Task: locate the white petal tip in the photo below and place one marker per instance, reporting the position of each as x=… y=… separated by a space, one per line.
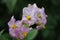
x=34 y=5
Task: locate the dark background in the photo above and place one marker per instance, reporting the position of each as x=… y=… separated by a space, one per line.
x=52 y=9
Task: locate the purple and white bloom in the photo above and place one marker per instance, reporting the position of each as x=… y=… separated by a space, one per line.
x=20 y=33
x=13 y=23
x=33 y=15
x=29 y=14
x=17 y=28
x=40 y=17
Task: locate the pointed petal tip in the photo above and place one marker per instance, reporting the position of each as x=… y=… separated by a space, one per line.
x=12 y=18
x=29 y=5
x=34 y=5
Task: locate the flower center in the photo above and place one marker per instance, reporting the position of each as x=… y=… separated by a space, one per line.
x=28 y=17
x=39 y=16
x=14 y=26
x=24 y=34
x=25 y=25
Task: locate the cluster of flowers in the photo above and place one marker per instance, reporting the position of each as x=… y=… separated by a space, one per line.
x=31 y=15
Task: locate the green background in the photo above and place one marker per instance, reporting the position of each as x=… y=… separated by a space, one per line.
x=14 y=7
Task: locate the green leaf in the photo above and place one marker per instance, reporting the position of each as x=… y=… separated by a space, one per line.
x=31 y=34
x=1 y=32
x=5 y=37
x=11 y=4
x=3 y=1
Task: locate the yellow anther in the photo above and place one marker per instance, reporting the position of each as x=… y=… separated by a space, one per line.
x=28 y=17
x=24 y=34
x=14 y=26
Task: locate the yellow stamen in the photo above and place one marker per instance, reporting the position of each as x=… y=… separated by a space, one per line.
x=24 y=34
x=14 y=26
x=28 y=17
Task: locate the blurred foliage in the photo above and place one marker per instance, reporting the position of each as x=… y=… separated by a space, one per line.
x=11 y=4
x=14 y=7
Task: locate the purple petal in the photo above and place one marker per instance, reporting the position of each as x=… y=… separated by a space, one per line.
x=12 y=21
x=11 y=32
x=38 y=27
